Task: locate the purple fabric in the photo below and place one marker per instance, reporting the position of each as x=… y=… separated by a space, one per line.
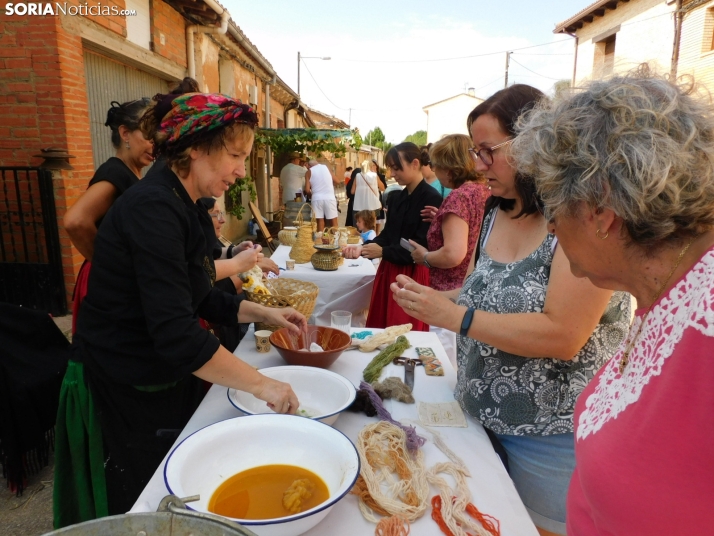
x=414 y=440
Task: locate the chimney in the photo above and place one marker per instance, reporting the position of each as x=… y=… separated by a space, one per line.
x=472 y=92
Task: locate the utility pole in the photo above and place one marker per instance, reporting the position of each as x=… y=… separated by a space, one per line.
x=349 y=122
x=299 y=73
x=505 y=82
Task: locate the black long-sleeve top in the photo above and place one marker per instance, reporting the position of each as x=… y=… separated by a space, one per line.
x=151 y=279
x=404 y=221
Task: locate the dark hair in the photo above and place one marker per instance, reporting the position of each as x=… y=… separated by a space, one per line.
x=207 y=202
x=507 y=106
x=126 y=114
x=368 y=217
x=349 y=168
x=425 y=149
x=354 y=173
x=408 y=151
x=187 y=85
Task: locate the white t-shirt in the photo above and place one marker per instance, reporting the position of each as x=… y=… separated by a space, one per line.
x=321 y=183
x=292 y=179
x=366 y=192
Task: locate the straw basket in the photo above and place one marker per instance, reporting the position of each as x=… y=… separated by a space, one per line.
x=286 y=292
x=326 y=258
x=302 y=249
x=288 y=236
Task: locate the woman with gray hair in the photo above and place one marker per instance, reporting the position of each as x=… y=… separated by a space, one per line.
x=625 y=169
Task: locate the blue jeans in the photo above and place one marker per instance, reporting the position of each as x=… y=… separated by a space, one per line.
x=541 y=468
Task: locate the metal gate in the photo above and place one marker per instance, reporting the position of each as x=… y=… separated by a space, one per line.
x=107 y=81
x=30 y=257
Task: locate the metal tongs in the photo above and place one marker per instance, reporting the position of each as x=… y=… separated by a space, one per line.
x=176 y=506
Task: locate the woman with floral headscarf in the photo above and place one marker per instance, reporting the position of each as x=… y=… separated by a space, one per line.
x=140 y=351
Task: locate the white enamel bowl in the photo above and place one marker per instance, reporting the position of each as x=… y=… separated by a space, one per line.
x=205 y=459
x=322 y=393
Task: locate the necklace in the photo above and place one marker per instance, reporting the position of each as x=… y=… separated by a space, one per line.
x=630 y=344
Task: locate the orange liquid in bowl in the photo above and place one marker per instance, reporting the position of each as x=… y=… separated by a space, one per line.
x=258 y=493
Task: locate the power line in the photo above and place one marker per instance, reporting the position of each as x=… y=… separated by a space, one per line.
x=541 y=75
x=455 y=58
x=323 y=93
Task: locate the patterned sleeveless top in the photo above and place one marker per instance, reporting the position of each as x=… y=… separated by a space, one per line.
x=514 y=395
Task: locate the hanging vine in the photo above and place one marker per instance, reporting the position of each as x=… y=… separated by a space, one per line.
x=246 y=184
x=307 y=140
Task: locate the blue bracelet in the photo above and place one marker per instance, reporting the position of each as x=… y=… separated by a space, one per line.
x=466 y=322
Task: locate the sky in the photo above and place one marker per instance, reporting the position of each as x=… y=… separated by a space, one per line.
x=389 y=59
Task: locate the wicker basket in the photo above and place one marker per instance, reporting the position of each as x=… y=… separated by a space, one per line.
x=288 y=236
x=302 y=249
x=300 y=295
x=327 y=260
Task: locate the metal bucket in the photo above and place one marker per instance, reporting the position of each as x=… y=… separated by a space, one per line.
x=172 y=519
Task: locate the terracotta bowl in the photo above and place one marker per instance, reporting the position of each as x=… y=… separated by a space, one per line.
x=288 y=345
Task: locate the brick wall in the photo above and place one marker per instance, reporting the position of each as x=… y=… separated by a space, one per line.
x=168 y=22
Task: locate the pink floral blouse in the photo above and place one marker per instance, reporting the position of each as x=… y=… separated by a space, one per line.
x=467 y=202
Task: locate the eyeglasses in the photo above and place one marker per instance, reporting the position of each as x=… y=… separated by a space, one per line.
x=220 y=215
x=486 y=154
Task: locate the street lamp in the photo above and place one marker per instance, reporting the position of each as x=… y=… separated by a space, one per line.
x=308 y=58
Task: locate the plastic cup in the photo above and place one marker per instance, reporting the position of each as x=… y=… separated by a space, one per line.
x=290 y=264
x=341 y=320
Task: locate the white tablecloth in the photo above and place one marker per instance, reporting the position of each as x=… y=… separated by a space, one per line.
x=491 y=487
x=349 y=288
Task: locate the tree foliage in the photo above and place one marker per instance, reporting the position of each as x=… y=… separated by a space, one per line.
x=418 y=138
x=376 y=138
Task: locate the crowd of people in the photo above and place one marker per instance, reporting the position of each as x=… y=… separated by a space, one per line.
x=521 y=245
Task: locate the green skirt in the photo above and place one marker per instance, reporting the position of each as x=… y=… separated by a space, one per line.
x=80 y=491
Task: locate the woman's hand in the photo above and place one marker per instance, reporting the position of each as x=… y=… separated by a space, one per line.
x=426 y=304
x=286 y=317
x=372 y=251
x=246 y=259
x=352 y=252
x=419 y=252
x=279 y=396
x=268 y=265
x=242 y=247
x=428 y=213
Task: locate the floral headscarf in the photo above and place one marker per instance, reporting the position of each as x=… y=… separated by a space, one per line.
x=195 y=113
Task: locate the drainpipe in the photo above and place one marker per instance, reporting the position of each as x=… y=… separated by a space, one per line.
x=678 y=16
x=575 y=60
x=191 y=30
x=268 y=152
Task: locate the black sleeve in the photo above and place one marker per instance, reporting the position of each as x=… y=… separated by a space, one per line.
x=115 y=172
x=221 y=307
x=157 y=230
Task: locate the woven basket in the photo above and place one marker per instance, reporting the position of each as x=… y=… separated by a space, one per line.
x=326 y=260
x=300 y=295
x=302 y=249
x=288 y=237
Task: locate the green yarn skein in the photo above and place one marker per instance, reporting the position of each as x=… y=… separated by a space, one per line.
x=384 y=358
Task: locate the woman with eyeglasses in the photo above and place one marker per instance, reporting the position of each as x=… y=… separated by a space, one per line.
x=531 y=334
x=112 y=179
x=456 y=224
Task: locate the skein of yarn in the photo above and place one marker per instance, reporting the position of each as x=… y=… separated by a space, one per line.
x=392 y=480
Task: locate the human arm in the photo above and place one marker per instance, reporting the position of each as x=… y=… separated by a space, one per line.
x=226 y=369
x=354 y=186
x=242 y=262
x=307 y=190
x=456 y=238
x=571 y=312
x=81 y=219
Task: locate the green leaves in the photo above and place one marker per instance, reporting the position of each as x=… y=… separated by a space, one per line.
x=308 y=140
x=246 y=184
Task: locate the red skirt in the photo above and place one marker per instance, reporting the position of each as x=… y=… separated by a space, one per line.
x=80 y=291
x=383 y=310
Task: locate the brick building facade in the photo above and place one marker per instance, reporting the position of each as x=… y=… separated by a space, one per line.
x=58 y=75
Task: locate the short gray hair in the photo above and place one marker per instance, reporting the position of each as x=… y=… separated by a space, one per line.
x=637 y=144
